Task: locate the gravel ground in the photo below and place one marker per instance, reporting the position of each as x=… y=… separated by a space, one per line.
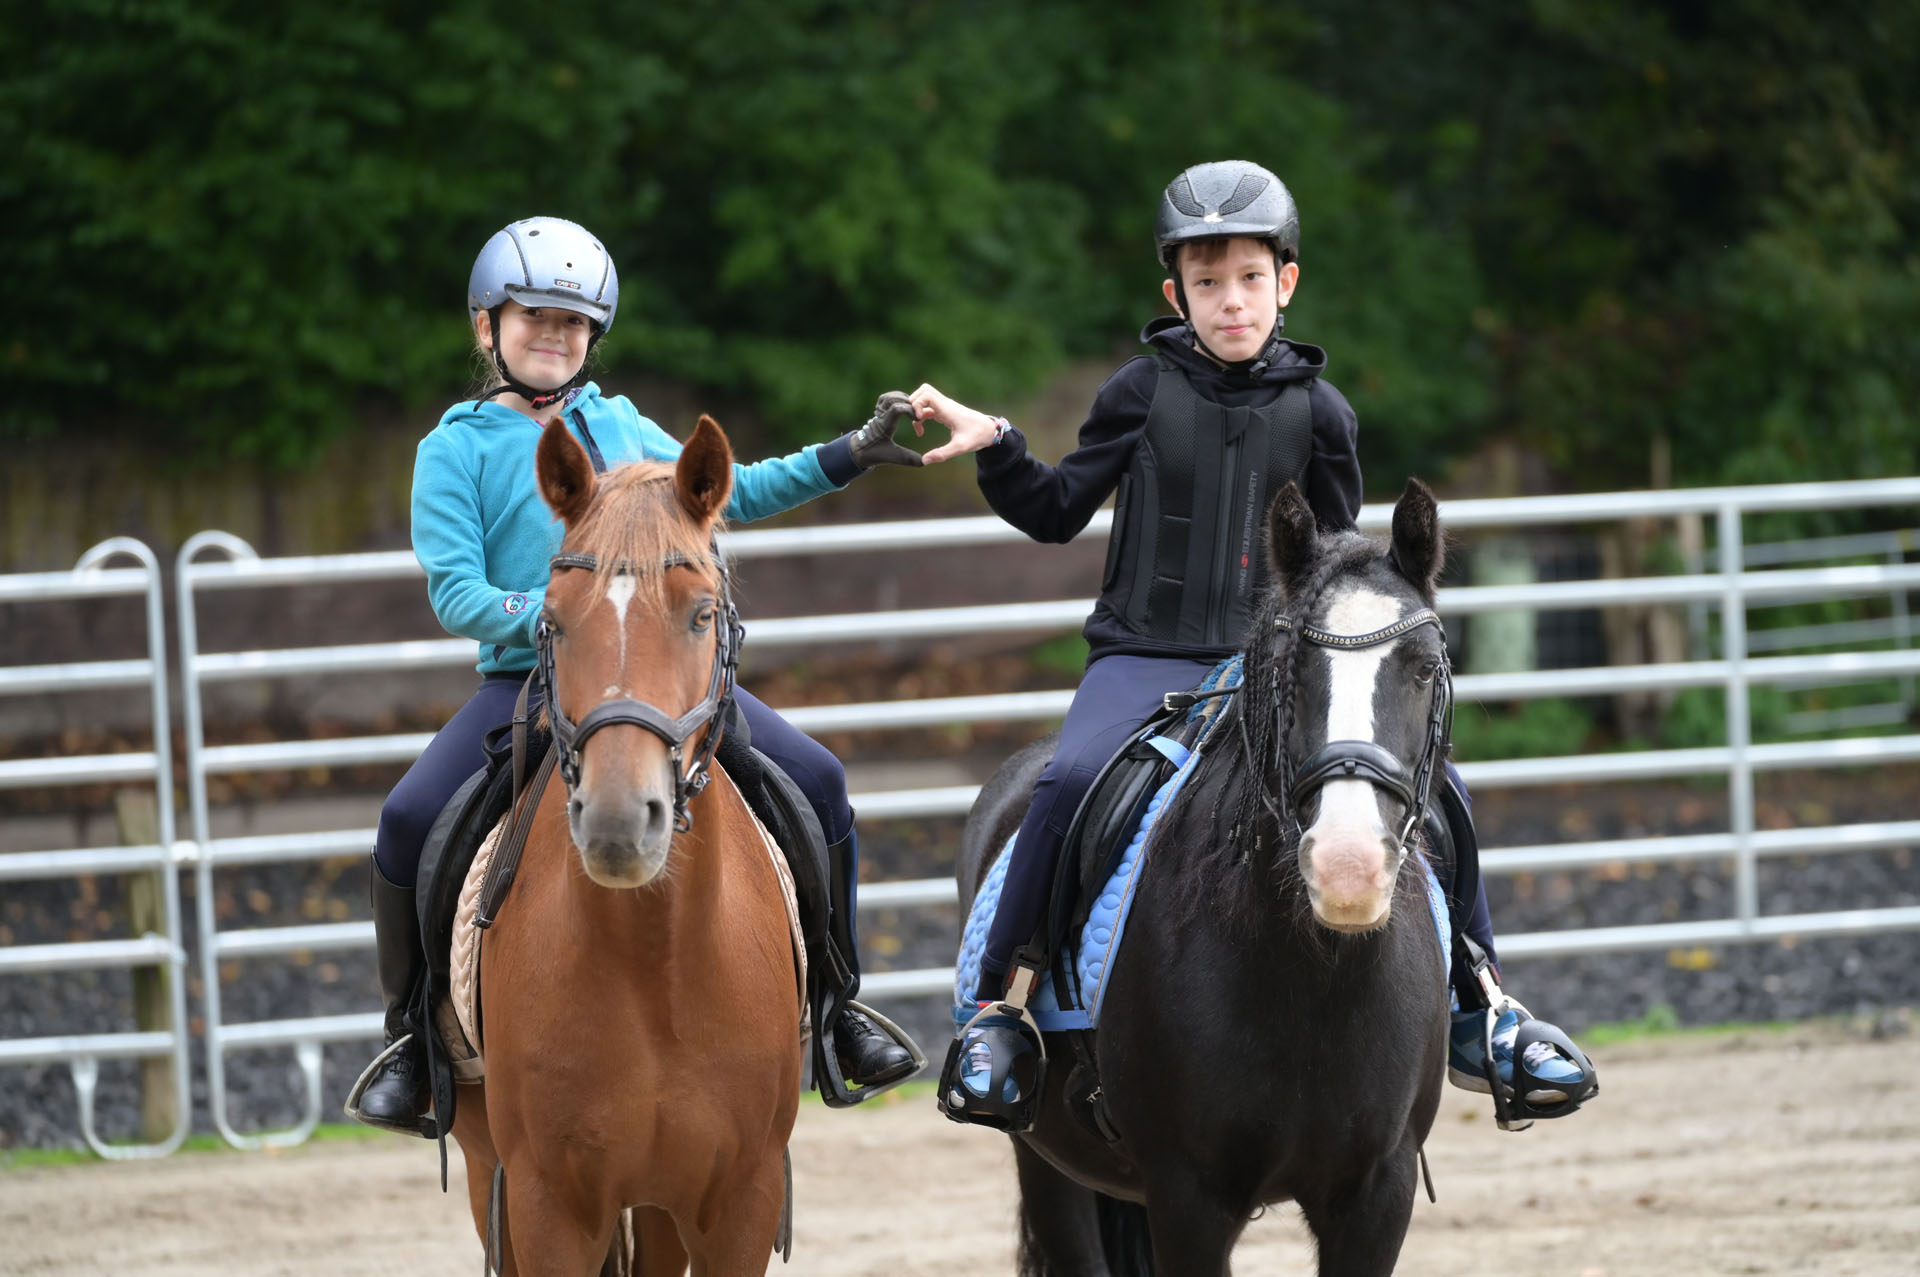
x=1794 y=1151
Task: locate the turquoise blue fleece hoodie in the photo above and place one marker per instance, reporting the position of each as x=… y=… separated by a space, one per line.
x=484 y=535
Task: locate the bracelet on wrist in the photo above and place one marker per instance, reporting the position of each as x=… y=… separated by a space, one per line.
x=1000 y=427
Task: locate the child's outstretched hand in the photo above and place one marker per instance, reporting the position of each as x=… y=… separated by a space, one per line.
x=971 y=430
x=873 y=443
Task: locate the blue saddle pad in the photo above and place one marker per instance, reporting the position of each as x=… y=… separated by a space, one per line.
x=1099 y=939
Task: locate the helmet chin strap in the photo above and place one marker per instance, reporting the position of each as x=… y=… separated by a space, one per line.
x=1252 y=367
x=535 y=397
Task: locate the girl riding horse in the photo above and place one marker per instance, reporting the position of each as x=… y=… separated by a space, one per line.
x=541 y=295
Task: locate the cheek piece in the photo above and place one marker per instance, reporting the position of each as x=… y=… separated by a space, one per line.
x=536 y=399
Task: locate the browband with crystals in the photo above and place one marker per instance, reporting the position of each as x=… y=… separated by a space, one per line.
x=1411 y=621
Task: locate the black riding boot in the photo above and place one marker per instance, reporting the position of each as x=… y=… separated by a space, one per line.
x=868 y=1055
x=396 y=1097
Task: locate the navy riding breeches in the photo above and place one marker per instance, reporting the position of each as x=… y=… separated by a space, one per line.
x=1117 y=695
x=458 y=751
x=1479 y=923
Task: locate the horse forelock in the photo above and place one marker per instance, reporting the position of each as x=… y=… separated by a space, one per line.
x=637 y=528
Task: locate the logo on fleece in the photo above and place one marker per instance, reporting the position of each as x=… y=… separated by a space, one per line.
x=515 y=604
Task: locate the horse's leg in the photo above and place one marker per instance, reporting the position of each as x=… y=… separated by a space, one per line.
x=476 y=1146
x=1193 y=1230
x=551 y=1235
x=1360 y=1229
x=740 y=1238
x=657 y=1243
x=1059 y=1221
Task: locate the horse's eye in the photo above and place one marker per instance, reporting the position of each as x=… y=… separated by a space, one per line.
x=1427 y=672
x=551 y=626
x=702 y=619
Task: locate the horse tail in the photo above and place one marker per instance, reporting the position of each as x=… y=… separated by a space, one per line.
x=1123 y=1237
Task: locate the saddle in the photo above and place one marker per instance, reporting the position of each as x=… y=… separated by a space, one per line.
x=1110 y=815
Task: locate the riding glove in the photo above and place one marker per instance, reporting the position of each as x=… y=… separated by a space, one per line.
x=873 y=443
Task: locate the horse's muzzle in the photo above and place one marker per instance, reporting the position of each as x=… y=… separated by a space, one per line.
x=1349 y=876
x=623 y=840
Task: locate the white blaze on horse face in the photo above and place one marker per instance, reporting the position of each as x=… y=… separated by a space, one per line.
x=1348 y=874
x=620 y=594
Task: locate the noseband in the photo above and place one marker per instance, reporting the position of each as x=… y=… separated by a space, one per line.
x=1362 y=759
x=571 y=737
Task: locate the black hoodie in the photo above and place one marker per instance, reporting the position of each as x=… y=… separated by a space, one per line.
x=1053 y=503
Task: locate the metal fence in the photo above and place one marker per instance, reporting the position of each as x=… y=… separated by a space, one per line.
x=160 y=950
x=1732 y=589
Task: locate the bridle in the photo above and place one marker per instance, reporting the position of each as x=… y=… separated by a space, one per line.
x=1362 y=759
x=570 y=738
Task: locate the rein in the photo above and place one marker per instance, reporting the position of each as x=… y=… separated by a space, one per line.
x=1362 y=759
x=569 y=737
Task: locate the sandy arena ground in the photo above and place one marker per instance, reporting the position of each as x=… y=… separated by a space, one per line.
x=1791 y=1151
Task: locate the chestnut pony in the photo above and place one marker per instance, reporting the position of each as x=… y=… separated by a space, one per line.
x=638 y=988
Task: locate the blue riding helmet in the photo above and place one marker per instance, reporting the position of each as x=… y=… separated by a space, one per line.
x=546 y=261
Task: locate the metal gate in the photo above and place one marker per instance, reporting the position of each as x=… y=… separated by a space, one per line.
x=82 y=1052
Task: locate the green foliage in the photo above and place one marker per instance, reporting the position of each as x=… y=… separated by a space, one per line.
x=234 y=225
x=237 y=222
x=1690 y=221
x=1545 y=728
x=1660 y=1021
x=1697 y=718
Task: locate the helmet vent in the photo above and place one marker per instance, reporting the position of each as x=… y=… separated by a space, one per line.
x=531 y=234
x=1181 y=193
x=1244 y=194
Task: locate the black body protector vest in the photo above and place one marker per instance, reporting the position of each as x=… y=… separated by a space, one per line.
x=1186 y=559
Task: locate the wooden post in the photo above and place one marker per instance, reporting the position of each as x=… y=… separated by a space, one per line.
x=137 y=813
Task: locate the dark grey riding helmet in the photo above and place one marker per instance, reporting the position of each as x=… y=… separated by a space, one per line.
x=544 y=261
x=1228 y=199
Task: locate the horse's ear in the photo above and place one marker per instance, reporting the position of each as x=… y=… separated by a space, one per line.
x=1419 y=551
x=704 y=474
x=566 y=475
x=1292 y=534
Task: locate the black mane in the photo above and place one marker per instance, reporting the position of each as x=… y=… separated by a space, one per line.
x=1231 y=831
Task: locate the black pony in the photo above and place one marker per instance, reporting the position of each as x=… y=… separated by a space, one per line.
x=1275 y=1027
